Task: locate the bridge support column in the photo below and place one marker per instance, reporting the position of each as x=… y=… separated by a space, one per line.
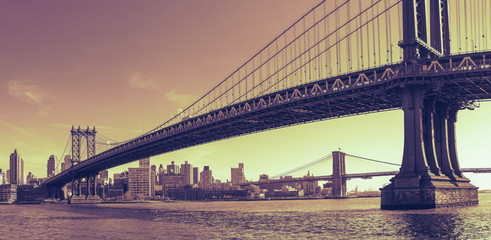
x=91 y=191
x=77 y=196
x=338 y=175
x=419 y=183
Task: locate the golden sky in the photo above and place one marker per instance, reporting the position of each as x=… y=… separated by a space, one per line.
x=126 y=67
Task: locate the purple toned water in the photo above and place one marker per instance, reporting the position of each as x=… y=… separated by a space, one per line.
x=292 y=219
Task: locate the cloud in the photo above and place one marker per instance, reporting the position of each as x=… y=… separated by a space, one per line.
x=60 y=125
x=183 y=100
x=26 y=92
x=30 y=93
x=136 y=81
x=13 y=127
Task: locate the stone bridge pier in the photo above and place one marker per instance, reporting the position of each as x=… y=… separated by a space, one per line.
x=90 y=196
x=430 y=174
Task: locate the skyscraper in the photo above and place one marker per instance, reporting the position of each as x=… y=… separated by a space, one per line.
x=187 y=172
x=238 y=175
x=195 y=175
x=51 y=166
x=68 y=162
x=16 y=169
x=173 y=169
x=205 y=178
x=153 y=179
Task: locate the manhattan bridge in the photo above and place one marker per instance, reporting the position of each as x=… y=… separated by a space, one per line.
x=430 y=58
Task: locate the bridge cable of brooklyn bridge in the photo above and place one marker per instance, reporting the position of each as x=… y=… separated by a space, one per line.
x=341 y=58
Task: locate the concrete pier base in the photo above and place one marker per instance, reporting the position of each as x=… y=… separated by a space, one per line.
x=438 y=192
x=77 y=200
x=93 y=199
x=85 y=200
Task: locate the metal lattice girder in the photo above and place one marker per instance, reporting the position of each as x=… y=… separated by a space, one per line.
x=76 y=144
x=91 y=142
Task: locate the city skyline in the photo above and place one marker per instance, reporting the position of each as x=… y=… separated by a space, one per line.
x=124 y=79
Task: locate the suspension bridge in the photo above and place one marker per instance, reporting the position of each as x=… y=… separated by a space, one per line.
x=430 y=58
x=339 y=176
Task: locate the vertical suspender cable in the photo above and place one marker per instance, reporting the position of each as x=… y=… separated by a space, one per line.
x=349 y=68
x=374 y=35
x=361 y=39
x=459 y=35
x=465 y=24
x=368 y=40
x=337 y=37
x=389 y=35
x=379 y=34
x=304 y=72
x=328 y=55
x=285 y=59
x=485 y=25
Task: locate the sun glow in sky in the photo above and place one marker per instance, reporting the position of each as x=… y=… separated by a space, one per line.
x=125 y=67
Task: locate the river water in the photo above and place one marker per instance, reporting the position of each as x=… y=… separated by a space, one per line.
x=288 y=219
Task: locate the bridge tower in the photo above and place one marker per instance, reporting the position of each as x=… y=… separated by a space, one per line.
x=90 y=137
x=76 y=144
x=430 y=174
x=338 y=174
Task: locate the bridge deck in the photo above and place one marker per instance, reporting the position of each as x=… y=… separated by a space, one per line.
x=466 y=77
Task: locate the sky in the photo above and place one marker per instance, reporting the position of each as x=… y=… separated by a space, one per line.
x=126 y=67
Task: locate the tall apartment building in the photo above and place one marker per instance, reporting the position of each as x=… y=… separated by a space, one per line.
x=238 y=175
x=205 y=178
x=195 y=175
x=2 y=177
x=153 y=179
x=140 y=180
x=16 y=169
x=51 y=166
x=173 y=169
x=187 y=172
x=68 y=162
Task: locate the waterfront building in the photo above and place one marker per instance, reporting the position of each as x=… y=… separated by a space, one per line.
x=119 y=188
x=8 y=193
x=173 y=178
x=187 y=173
x=2 y=177
x=24 y=193
x=263 y=178
x=309 y=187
x=139 y=183
x=51 y=166
x=172 y=181
x=16 y=169
x=205 y=178
x=7 y=177
x=238 y=175
x=195 y=175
